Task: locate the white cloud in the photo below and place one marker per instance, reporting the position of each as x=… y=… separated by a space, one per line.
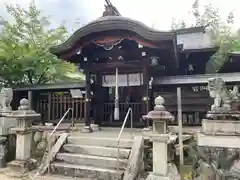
x=152 y=12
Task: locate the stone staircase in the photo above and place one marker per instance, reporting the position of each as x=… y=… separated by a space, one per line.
x=94 y=158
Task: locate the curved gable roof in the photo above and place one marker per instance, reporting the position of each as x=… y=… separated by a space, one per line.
x=111 y=23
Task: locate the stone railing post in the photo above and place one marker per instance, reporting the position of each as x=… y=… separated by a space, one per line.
x=24 y=117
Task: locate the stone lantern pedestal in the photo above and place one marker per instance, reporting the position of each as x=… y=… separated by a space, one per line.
x=162 y=169
x=24 y=132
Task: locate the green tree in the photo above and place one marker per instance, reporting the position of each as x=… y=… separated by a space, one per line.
x=24 y=44
x=220 y=32
x=222 y=36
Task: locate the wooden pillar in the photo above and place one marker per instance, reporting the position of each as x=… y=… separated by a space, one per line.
x=30 y=100
x=49 y=106
x=98 y=101
x=87 y=127
x=146 y=92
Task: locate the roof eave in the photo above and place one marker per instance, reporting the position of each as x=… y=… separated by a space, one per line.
x=111 y=24
x=190 y=30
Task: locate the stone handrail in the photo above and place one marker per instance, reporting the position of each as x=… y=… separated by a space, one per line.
x=54 y=130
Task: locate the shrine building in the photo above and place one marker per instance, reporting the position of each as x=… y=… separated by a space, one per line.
x=145 y=63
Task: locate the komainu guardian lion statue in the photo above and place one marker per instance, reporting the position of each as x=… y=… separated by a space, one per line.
x=223 y=98
x=6 y=96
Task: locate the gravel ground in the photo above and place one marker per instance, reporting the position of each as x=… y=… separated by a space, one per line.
x=12 y=176
x=5 y=177
x=8 y=174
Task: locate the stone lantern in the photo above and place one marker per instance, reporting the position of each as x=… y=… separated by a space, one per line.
x=161 y=138
x=159 y=116
x=24 y=131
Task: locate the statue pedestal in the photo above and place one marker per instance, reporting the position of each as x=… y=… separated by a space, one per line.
x=219 y=133
x=220 y=127
x=219 y=141
x=6 y=124
x=3 y=152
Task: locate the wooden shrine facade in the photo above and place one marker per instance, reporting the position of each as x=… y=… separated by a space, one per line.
x=138 y=54
x=112 y=43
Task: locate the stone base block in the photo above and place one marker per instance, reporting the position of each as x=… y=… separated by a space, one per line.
x=95 y=127
x=147 y=129
x=87 y=129
x=172 y=174
x=18 y=164
x=218 y=141
x=23 y=166
x=220 y=127
x=153 y=176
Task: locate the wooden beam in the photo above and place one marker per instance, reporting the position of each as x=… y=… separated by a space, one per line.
x=114 y=53
x=137 y=64
x=196 y=79
x=160 y=45
x=54 y=86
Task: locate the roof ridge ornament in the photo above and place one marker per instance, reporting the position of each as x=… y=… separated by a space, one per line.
x=110 y=10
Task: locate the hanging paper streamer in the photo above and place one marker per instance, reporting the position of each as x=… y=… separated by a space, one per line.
x=116 y=109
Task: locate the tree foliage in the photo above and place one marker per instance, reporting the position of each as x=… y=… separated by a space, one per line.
x=24 y=44
x=219 y=30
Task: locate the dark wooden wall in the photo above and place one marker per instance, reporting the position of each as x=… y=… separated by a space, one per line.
x=52 y=105
x=195 y=103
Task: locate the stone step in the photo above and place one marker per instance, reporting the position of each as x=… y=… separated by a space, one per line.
x=97 y=150
x=106 y=162
x=85 y=172
x=94 y=141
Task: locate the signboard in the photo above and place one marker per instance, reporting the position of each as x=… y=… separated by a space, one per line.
x=76 y=93
x=124 y=80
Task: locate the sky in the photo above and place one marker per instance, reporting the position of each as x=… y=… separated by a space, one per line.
x=154 y=13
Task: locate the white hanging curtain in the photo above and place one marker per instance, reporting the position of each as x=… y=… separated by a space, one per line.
x=124 y=80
